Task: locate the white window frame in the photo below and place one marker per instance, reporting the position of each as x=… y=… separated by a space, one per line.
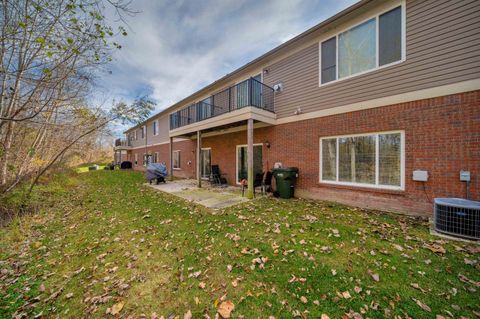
x=376 y=185
x=173 y=160
x=377 y=67
x=136 y=159
x=155 y=128
x=135 y=134
x=236 y=159
x=155 y=157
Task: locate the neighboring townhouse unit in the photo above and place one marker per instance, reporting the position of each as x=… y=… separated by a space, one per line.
x=357 y=103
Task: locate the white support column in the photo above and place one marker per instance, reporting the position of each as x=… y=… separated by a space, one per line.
x=250 y=190
x=199 y=149
x=170 y=150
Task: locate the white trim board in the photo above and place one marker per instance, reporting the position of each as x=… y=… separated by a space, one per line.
x=443 y=90
x=460 y=87
x=241 y=114
x=177 y=139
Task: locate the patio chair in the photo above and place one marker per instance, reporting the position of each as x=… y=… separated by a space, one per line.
x=216 y=177
x=263 y=180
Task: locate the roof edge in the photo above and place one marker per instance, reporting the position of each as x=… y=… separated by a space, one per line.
x=278 y=48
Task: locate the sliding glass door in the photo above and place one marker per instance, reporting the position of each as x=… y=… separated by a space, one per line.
x=242 y=172
x=206 y=162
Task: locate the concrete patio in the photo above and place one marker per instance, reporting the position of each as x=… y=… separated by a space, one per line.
x=208 y=196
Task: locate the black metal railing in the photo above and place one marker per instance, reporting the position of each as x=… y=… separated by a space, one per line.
x=247 y=93
x=122 y=142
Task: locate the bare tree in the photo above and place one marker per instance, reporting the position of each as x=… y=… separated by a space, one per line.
x=50 y=53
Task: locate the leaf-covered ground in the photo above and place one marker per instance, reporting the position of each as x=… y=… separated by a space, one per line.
x=104 y=246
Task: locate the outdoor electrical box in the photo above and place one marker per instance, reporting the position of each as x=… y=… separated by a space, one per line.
x=465 y=176
x=420 y=176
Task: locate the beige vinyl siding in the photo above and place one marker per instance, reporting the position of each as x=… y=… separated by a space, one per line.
x=443 y=47
x=140 y=141
x=162 y=129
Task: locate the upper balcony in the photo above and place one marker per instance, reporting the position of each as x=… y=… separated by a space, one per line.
x=247 y=99
x=122 y=144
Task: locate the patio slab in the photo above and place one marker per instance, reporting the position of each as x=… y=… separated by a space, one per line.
x=211 y=197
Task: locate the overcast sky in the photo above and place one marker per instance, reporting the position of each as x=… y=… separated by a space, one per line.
x=175 y=48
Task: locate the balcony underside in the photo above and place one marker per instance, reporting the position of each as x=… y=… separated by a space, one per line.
x=226 y=120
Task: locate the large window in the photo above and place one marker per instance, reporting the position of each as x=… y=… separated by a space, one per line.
x=373 y=160
x=355 y=51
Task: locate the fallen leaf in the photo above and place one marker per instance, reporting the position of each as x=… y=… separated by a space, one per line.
x=202 y=285
x=116 y=308
x=436 y=248
x=324 y=316
x=374 y=276
x=303 y=299
x=422 y=305
x=226 y=308
x=398 y=247
x=417 y=286
x=188 y=315
x=346 y=295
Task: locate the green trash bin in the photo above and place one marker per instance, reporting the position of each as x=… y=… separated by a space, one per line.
x=285 y=178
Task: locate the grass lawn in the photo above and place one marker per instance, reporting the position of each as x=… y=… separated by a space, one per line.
x=84 y=168
x=105 y=244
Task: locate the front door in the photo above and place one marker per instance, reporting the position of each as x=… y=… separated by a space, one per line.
x=205 y=162
x=242 y=172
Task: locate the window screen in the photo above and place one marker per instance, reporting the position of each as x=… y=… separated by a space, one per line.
x=357 y=49
x=354 y=159
x=329 y=60
x=329 y=159
x=390 y=36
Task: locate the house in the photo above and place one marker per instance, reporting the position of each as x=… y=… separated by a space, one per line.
x=378 y=107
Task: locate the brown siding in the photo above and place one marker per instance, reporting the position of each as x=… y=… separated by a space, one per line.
x=443 y=47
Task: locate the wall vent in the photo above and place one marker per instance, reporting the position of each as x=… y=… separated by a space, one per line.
x=457 y=217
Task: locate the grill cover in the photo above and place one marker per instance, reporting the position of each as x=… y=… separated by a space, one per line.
x=155 y=170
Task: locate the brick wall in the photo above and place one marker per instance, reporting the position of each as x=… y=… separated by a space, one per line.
x=442 y=136
x=187 y=157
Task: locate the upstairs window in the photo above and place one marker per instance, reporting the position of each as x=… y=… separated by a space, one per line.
x=372 y=44
x=155 y=128
x=143 y=131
